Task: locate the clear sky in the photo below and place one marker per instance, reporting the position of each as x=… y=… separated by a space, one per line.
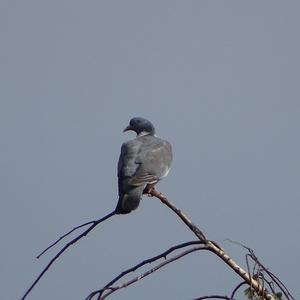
x=220 y=81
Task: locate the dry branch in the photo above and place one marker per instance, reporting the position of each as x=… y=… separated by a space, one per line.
x=256 y=280
x=213 y=297
x=137 y=278
x=76 y=239
x=214 y=248
x=164 y=255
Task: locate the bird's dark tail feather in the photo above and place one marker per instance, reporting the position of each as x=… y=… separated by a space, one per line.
x=129 y=201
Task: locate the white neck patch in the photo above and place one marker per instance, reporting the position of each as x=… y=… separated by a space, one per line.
x=143 y=133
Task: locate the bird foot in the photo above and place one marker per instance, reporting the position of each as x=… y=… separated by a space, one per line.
x=148 y=189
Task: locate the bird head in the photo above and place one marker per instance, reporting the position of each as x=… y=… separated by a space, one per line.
x=141 y=126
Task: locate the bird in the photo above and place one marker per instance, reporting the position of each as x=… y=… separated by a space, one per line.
x=143 y=162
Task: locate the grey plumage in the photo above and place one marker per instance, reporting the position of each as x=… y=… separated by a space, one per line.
x=143 y=161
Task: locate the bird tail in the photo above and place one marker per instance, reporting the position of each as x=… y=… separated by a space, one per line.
x=130 y=200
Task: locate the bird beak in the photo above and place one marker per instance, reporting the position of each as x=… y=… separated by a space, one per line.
x=127 y=128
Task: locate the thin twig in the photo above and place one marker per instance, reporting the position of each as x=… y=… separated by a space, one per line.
x=273 y=277
x=236 y=289
x=139 y=265
x=137 y=278
x=213 y=297
x=63 y=236
x=94 y=224
x=248 y=269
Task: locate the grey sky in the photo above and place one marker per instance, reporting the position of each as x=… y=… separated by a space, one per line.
x=219 y=79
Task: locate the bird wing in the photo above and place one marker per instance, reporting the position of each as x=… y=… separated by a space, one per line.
x=144 y=160
x=127 y=165
x=151 y=162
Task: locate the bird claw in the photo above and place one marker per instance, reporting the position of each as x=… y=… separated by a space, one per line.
x=148 y=190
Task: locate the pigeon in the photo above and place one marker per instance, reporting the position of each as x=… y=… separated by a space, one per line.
x=143 y=162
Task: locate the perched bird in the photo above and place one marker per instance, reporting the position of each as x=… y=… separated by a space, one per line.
x=143 y=162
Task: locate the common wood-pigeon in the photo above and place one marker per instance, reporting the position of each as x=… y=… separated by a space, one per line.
x=143 y=162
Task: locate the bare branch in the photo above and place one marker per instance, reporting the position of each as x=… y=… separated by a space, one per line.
x=257 y=280
x=236 y=289
x=215 y=248
x=139 y=265
x=261 y=268
x=63 y=236
x=179 y=213
x=224 y=297
x=213 y=297
x=94 y=224
x=137 y=278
